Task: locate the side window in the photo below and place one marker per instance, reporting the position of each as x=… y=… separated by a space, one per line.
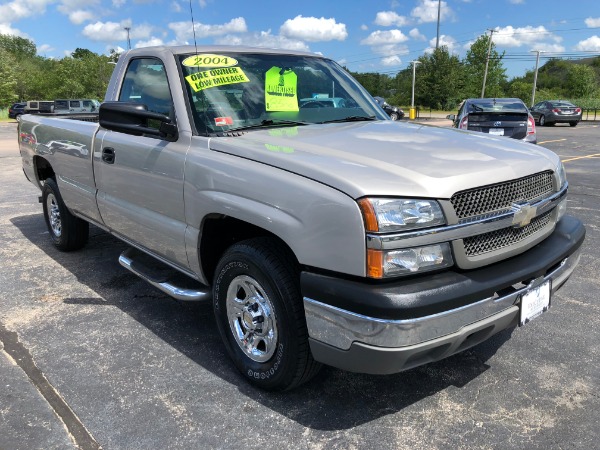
x=74 y=104
x=146 y=83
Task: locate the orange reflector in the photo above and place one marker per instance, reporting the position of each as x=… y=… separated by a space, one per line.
x=374 y=263
x=368 y=215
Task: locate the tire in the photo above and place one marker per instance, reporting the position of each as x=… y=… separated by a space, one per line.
x=573 y=124
x=260 y=315
x=18 y=117
x=66 y=231
x=542 y=121
x=394 y=116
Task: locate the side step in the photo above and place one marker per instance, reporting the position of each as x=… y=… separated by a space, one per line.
x=163 y=277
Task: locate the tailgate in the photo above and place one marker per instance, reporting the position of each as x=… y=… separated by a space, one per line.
x=511 y=124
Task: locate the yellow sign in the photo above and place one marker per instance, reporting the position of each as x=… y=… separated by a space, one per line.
x=281 y=90
x=216 y=77
x=209 y=60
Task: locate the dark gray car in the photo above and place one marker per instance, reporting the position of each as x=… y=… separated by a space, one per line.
x=549 y=112
x=496 y=116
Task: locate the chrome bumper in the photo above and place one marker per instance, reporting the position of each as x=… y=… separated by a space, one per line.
x=341 y=329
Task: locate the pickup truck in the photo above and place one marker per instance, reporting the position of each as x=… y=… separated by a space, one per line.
x=321 y=235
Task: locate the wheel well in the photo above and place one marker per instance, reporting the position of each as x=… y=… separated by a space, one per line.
x=219 y=233
x=43 y=169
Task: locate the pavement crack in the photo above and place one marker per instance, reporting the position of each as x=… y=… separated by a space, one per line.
x=17 y=351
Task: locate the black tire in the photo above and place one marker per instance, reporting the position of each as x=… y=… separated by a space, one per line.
x=18 y=117
x=542 y=121
x=573 y=124
x=66 y=231
x=394 y=116
x=260 y=314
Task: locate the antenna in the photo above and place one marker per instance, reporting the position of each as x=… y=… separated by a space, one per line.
x=193 y=27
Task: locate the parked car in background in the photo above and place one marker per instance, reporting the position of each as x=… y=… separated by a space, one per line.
x=549 y=112
x=323 y=102
x=68 y=106
x=15 y=111
x=497 y=116
x=394 y=112
x=37 y=106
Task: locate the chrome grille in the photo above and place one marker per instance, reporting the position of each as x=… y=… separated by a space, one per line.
x=496 y=240
x=499 y=197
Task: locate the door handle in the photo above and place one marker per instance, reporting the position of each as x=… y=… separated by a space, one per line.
x=108 y=155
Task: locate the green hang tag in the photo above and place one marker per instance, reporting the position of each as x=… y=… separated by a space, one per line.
x=281 y=90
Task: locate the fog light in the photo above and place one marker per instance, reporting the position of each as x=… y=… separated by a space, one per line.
x=386 y=264
x=561 y=209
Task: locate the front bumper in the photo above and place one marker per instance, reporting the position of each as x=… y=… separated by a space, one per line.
x=387 y=328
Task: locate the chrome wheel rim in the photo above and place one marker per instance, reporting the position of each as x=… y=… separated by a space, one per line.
x=54 y=215
x=251 y=318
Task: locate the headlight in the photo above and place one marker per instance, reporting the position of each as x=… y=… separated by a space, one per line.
x=561 y=175
x=406 y=261
x=384 y=215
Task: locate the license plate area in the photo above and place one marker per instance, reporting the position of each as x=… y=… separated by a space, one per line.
x=497 y=131
x=535 y=302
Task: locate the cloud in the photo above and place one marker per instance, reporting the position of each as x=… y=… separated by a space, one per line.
x=527 y=36
x=426 y=11
x=447 y=41
x=263 y=39
x=153 y=41
x=364 y=27
x=592 y=22
x=118 y=3
x=44 y=48
x=183 y=30
x=517 y=2
x=313 y=29
x=389 y=18
x=393 y=60
x=416 y=35
x=20 y=9
x=589 y=44
x=381 y=37
x=5 y=28
x=175 y=6
x=80 y=16
x=114 y=32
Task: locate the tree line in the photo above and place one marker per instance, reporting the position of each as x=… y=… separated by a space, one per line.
x=442 y=79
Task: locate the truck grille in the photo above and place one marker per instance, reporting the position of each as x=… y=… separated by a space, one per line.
x=496 y=240
x=498 y=198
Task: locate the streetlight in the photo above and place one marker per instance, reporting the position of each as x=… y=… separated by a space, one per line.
x=537 y=62
x=487 y=60
x=128 y=41
x=412 y=112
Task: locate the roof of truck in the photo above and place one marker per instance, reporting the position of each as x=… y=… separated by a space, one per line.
x=191 y=49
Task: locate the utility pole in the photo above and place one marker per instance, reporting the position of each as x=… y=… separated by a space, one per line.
x=128 y=41
x=537 y=62
x=437 y=40
x=487 y=61
x=412 y=113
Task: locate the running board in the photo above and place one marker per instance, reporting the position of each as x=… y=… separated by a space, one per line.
x=163 y=277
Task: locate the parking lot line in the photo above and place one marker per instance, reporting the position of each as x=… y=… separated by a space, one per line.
x=555 y=140
x=581 y=157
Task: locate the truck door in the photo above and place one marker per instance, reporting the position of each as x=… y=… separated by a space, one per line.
x=140 y=178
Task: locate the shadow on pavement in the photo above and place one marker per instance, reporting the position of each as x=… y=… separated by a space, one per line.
x=334 y=400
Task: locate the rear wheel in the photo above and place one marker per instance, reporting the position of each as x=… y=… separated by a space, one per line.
x=260 y=314
x=67 y=231
x=573 y=124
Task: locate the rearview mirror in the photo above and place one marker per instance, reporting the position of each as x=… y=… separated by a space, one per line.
x=451 y=117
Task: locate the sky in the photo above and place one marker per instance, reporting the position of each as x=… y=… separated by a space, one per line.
x=365 y=36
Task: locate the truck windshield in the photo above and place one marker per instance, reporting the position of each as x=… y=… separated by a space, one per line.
x=232 y=91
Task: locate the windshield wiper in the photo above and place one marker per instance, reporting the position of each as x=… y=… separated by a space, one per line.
x=351 y=119
x=269 y=123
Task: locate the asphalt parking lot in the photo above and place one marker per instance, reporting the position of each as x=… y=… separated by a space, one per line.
x=91 y=356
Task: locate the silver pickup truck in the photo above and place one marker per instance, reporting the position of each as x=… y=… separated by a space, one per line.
x=320 y=230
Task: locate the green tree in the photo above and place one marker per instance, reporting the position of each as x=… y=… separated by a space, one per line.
x=8 y=79
x=474 y=66
x=581 y=81
x=19 y=47
x=439 y=80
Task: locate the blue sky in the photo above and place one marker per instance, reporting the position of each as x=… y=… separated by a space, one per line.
x=366 y=36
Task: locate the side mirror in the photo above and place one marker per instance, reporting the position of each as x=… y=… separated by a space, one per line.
x=132 y=118
x=451 y=117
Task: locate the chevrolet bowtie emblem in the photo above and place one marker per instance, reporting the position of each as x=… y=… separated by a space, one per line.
x=524 y=213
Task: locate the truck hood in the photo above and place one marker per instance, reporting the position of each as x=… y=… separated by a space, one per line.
x=386 y=158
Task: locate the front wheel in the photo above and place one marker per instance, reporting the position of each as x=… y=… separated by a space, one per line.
x=394 y=116
x=542 y=121
x=67 y=231
x=573 y=124
x=260 y=314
